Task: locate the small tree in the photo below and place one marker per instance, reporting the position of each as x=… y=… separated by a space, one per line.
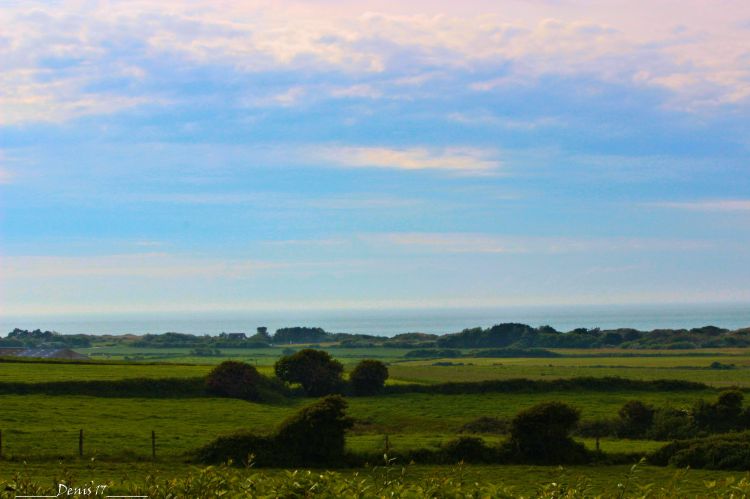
x=368 y=377
x=635 y=419
x=723 y=415
x=597 y=428
x=541 y=434
x=235 y=379
x=317 y=372
x=315 y=435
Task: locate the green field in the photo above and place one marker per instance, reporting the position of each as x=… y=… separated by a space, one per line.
x=42 y=430
x=176 y=362
x=37 y=426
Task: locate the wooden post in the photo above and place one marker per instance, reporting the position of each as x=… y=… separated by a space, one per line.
x=387 y=444
x=80 y=443
x=153 y=444
x=1 y=443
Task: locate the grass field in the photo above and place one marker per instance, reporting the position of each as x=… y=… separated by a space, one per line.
x=38 y=426
x=421 y=372
x=652 y=364
x=43 y=430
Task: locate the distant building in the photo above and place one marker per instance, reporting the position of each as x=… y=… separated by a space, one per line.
x=42 y=353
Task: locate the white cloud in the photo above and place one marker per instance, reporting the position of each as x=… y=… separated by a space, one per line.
x=278 y=201
x=54 y=54
x=6 y=177
x=360 y=90
x=720 y=205
x=24 y=98
x=485 y=119
x=458 y=160
x=485 y=243
x=140 y=265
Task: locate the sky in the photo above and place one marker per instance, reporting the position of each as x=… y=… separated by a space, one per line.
x=214 y=155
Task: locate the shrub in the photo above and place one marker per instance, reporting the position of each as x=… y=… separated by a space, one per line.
x=241 y=448
x=669 y=424
x=720 y=452
x=718 y=365
x=315 y=435
x=469 y=450
x=635 y=419
x=523 y=385
x=723 y=415
x=433 y=353
x=368 y=377
x=541 y=434
x=315 y=370
x=235 y=379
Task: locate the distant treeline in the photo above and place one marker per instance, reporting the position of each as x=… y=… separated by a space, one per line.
x=501 y=336
x=22 y=338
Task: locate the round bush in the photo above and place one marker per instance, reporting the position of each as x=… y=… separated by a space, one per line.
x=235 y=379
x=541 y=434
x=317 y=372
x=368 y=377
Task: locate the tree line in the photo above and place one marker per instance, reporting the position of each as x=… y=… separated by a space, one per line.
x=506 y=337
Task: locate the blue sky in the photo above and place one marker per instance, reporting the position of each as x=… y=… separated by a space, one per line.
x=173 y=156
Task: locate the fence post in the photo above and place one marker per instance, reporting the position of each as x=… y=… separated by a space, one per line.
x=1 y=444
x=80 y=443
x=387 y=444
x=153 y=444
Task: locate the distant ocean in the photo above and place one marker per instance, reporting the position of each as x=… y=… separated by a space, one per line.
x=391 y=322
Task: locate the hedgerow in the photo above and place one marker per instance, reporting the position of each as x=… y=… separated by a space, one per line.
x=728 y=451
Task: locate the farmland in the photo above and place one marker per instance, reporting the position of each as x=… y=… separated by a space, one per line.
x=40 y=432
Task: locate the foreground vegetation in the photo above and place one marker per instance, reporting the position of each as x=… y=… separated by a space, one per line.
x=388 y=480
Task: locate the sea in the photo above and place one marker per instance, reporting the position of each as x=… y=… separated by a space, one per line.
x=391 y=322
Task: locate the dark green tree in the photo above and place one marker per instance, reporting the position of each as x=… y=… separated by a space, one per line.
x=317 y=372
x=541 y=434
x=368 y=377
x=723 y=415
x=635 y=419
x=235 y=379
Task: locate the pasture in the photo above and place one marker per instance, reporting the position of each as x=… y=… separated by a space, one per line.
x=42 y=426
x=40 y=432
x=695 y=366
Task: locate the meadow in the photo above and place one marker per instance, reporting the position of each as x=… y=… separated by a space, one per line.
x=40 y=432
x=128 y=362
